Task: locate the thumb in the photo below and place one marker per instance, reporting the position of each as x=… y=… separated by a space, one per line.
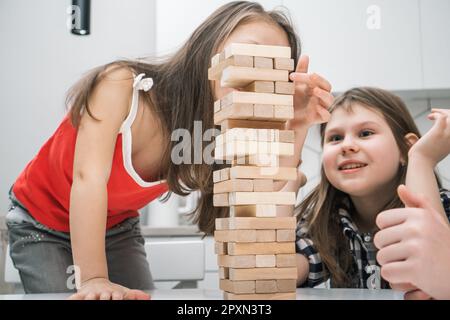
x=303 y=64
x=411 y=200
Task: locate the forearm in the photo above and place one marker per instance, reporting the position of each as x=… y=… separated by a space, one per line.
x=88 y=210
x=302 y=269
x=420 y=179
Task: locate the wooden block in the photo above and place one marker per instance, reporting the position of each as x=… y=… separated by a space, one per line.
x=235 y=149
x=263 y=63
x=285 y=235
x=273 y=173
x=234 y=185
x=236 y=235
x=225 y=174
x=215 y=73
x=237 y=287
x=286 y=285
x=256 y=223
x=258 y=160
x=284 y=112
x=261 y=87
x=253 y=211
x=247 y=198
x=284 y=87
x=221 y=200
x=247 y=134
x=216 y=176
x=236 y=262
x=220 y=248
x=241 y=97
x=266 y=286
x=266 y=236
x=262 y=274
x=224 y=273
x=263 y=186
x=260 y=296
x=287 y=136
x=235 y=123
x=240 y=77
x=257 y=50
x=234 y=111
x=284 y=64
x=265 y=261
x=263 y=248
x=217 y=106
x=263 y=112
x=215 y=60
x=286 y=260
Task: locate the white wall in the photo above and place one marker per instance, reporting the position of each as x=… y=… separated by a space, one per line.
x=40 y=59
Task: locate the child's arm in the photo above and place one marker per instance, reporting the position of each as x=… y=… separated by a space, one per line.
x=302 y=269
x=425 y=154
x=94 y=151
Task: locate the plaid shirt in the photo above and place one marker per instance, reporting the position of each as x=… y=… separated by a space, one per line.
x=365 y=271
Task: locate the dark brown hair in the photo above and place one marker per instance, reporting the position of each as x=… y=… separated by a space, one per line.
x=183 y=94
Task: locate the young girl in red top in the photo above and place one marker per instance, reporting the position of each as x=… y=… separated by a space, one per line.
x=75 y=204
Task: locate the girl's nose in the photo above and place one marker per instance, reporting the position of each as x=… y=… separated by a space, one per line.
x=349 y=145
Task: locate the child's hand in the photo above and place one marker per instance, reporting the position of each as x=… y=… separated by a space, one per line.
x=312 y=97
x=435 y=144
x=413 y=243
x=103 y=289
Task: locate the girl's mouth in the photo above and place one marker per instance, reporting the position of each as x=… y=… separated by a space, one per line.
x=352 y=167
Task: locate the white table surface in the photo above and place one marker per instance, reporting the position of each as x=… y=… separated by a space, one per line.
x=200 y=294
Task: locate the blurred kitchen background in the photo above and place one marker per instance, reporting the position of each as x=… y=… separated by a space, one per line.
x=399 y=45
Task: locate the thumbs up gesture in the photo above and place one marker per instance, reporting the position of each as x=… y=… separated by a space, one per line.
x=414 y=248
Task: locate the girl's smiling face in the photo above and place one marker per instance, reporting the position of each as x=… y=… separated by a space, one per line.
x=360 y=154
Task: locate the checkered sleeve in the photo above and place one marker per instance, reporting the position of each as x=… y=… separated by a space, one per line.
x=305 y=246
x=445 y=198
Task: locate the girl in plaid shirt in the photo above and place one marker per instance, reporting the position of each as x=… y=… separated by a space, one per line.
x=367 y=154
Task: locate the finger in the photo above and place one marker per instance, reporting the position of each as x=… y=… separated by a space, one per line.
x=117 y=295
x=105 y=296
x=91 y=296
x=387 y=237
x=321 y=82
x=324 y=113
x=416 y=295
x=404 y=287
x=129 y=295
x=141 y=295
x=441 y=111
x=325 y=97
x=390 y=218
x=411 y=200
x=77 y=296
x=302 y=78
x=303 y=64
x=397 y=272
x=392 y=253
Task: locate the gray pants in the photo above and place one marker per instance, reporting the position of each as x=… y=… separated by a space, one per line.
x=44 y=256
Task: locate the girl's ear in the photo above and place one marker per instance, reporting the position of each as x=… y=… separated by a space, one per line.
x=411 y=139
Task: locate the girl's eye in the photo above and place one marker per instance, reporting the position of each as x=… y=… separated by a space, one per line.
x=365 y=133
x=334 y=138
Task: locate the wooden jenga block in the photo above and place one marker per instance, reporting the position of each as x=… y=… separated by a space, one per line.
x=248 y=198
x=236 y=123
x=263 y=186
x=234 y=185
x=286 y=285
x=266 y=286
x=286 y=260
x=261 y=87
x=284 y=87
x=266 y=236
x=264 y=63
x=287 y=136
x=258 y=160
x=220 y=248
x=262 y=274
x=216 y=59
x=236 y=235
x=240 y=97
x=260 y=296
x=248 y=134
x=263 y=112
x=265 y=261
x=260 y=248
x=225 y=174
x=233 y=77
x=214 y=73
x=284 y=112
x=253 y=211
x=284 y=64
x=216 y=176
x=217 y=106
x=237 y=287
x=234 y=111
x=273 y=173
x=248 y=223
x=237 y=262
x=285 y=235
x=221 y=200
x=235 y=149
x=224 y=273
x=257 y=50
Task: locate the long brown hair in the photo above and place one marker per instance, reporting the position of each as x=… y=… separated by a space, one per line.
x=183 y=94
x=319 y=209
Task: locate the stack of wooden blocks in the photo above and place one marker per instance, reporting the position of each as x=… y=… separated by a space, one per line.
x=255 y=245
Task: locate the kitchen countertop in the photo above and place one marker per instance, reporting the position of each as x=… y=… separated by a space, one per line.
x=202 y=294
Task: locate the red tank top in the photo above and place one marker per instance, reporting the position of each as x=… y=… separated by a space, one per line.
x=44 y=185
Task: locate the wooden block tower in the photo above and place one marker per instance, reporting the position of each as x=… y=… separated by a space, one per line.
x=255 y=247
